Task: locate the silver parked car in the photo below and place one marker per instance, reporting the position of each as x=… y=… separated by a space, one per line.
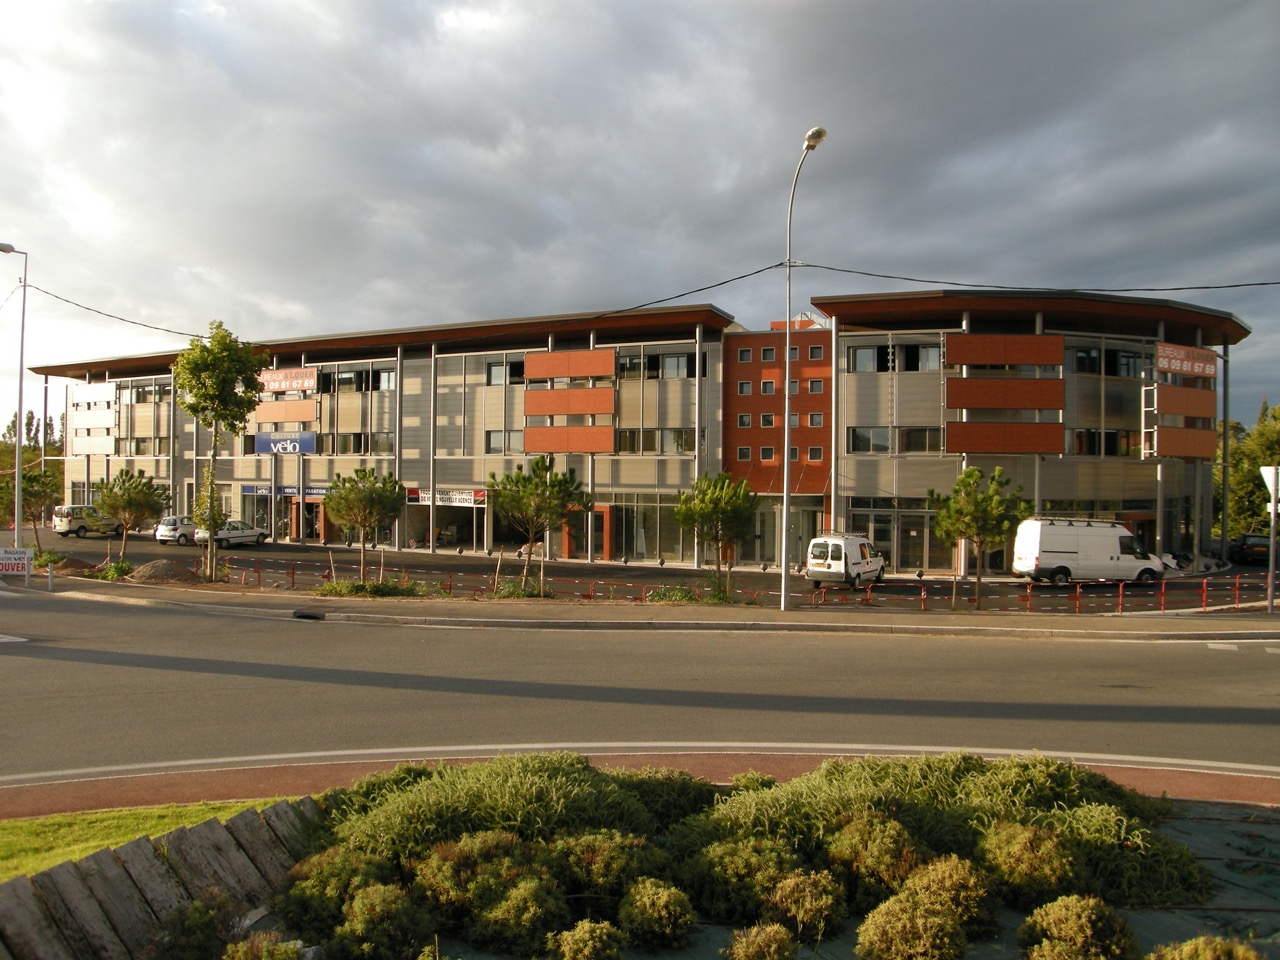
x=179 y=530
x=235 y=532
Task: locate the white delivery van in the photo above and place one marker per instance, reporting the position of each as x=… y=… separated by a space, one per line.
x=82 y=519
x=835 y=558
x=1062 y=549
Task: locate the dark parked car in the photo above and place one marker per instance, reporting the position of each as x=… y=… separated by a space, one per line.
x=1250 y=548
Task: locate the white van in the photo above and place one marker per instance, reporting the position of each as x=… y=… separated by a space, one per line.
x=835 y=558
x=1061 y=549
x=81 y=519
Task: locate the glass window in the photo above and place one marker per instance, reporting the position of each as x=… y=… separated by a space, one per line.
x=677 y=440
x=744 y=354
x=815 y=351
x=744 y=388
x=628 y=441
x=1087 y=360
x=766 y=453
x=744 y=454
x=768 y=354
x=795 y=387
x=766 y=419
x=795 y=419
x=794 y=353
x=815 y=419
x=766 y=388
x=493 y=441
x=815 y=454
x=867 y=440
x=382 y=443
x=496 y=374
x=744 y=419
x=795 y=454
x=815 y=386
x=676 y=366
x=630 y=368
x=920 y=439
x=384 y=378
x=869 y=359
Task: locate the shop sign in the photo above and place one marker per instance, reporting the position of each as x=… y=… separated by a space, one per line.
x=263 y=490
x=15 y=561
x=448 y=498
x=285 y=441
x=1192 y=361
x=295 y=378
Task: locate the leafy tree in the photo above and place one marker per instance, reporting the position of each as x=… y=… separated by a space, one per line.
x=719 y=511
x=536 y=500
x=364 y=502
x=40 y=491
x=133 y=499
x=981 y=515
x=1249 y=450
x=217 y=382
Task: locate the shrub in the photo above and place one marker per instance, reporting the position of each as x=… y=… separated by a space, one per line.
x=959 y=885
x=766 y=941
x=371 y=790
x=599 y=865
x=665 y=593
x=264 y=946
x=459 y=876
x=809 y=902
x=321 y=884
x=1077 y=927
x=515 y=590
x=46 y=558
x=753 y=780
x=1029 y=862
x=367 y=588
x=197 y=930
x=520 y=920
x=1206 y=948
x=874 y=855
x=911 y=927
x=114 y=570
x=668 y=795
x=655 y=915
x=730 y=878
x=588 y=940
x=382 y=922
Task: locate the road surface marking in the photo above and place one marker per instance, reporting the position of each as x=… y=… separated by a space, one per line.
x=1223 y=646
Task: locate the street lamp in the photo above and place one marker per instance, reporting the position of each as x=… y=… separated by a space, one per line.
x=811 y=141
x=18 y=436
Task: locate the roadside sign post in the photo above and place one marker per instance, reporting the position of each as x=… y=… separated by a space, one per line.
x=1269 y=478
x=17 y=560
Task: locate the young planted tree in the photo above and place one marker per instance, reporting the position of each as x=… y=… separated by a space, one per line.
x=982 y=515
x=536 y=500
x=216 y=378
x=364 y=502
x=40 y=491
x=718 y=511
x=133 y=499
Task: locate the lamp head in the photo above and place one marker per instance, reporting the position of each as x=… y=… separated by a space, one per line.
x=814 y=137
x=8 y=248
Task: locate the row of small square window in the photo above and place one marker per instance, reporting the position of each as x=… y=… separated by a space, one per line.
x=769 y=387
x=768 y=419
x=768 y=454
x=770 y=354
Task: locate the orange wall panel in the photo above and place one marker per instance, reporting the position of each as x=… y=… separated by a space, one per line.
x=1004 y=438
x=568 y=440
x=288 y=411
x=1005 y=394
x=1186 y=401
x=555 y=403
x=998 y=349
x=1193 y=444
x=570 y=363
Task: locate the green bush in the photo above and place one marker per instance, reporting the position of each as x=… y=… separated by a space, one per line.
x=538 y=796
x=1077 y=927
x=767 y=941
x=808 y=902
x=908 y=926
x=588 y=940
x=322 y=884
x=369 y=791
x=959 y=885
x=669 y=795
x=113 y=570
x=263 y=946
x=753 y=780
x=460 y=876
x=46 y=558
x=367 y=588
x=1030 y=864
x=729 y=881
x=595 y=868
x=873 y=855
x=382 y=922
x=655 y=915
x=1206 y=948
x=665 y=593
x=514 y=590
x=198 y=930
x=520 y=918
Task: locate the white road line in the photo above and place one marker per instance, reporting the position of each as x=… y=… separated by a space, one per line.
x=5 y=639
x=1223 y=646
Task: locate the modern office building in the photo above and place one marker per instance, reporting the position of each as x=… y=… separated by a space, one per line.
x=1097 y=406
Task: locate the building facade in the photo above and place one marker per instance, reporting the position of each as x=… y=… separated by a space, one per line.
x=1096 y=406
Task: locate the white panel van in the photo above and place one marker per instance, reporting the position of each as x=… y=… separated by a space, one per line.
x=1062 y=549
x=835 y=558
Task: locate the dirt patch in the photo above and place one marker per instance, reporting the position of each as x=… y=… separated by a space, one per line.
x=164 y=571
x=72 y=566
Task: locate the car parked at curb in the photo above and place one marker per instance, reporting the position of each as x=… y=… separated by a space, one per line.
x=1250 y=548
x=176 y=529
x=235 y=533
x=82 y=519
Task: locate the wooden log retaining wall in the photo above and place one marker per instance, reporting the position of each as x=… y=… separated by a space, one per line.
x=110 y=905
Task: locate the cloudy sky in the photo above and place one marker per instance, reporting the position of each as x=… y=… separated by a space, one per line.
x=305 y=166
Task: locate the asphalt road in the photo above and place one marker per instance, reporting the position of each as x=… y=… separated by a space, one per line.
x=92 y=689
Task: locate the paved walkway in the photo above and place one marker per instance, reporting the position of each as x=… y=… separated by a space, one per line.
x=257 y=782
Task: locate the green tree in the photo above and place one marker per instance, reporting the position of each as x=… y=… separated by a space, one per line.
x=719 y=511
x=982 y=515
x=536 y=500
x=364 y=502
x=217 y=382
x=40 y=491
x=133 y=499
x=1248 y=451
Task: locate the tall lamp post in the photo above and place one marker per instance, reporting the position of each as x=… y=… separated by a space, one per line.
x=18 y=423
x=811 y=141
